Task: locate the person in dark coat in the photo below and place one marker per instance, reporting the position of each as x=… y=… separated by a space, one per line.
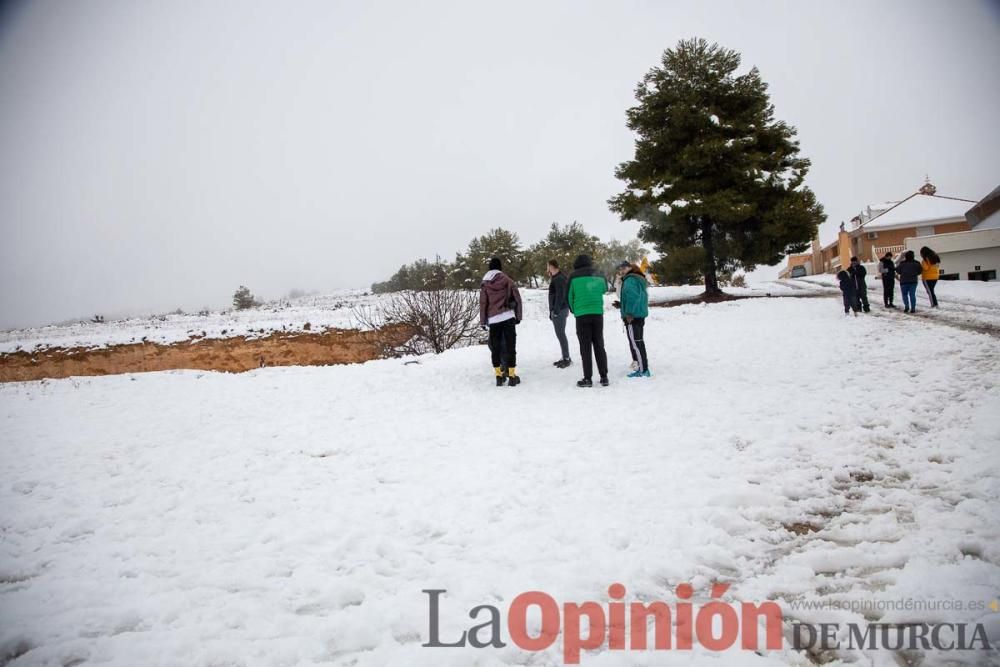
x=499 y=311
x=858 y=273
x=848 y=290
x=559 y=309
x=887 y=268
x=909 y=271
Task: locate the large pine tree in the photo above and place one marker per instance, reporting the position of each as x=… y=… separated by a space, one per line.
x=716 y=180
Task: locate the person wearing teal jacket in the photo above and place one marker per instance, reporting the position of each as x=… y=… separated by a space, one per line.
x=586 y=301
x=634 y=308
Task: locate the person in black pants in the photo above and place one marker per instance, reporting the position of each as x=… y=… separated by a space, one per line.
x=559 y=309
x=503 y=348
x=500 y=311
x=586 y=301
x=590 y=333
x=858 y=273
x=888 y=270
x=849 y=293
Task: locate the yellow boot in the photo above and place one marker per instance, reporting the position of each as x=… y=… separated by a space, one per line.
x=499 y=374
x=512 y=379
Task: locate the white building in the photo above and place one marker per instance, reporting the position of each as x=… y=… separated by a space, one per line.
x=971 y=255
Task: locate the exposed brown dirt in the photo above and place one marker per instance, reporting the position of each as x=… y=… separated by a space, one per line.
x=233 y=355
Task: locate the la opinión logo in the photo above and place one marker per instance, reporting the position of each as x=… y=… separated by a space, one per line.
x=715 y=625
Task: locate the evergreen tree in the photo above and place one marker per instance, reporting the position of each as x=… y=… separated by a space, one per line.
x=713 y=170
x=421 y=275
x=469 y=267
x=563 y=244
x=243 y=299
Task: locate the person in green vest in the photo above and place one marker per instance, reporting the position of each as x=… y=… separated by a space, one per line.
x=634 y=307
x=586 y=301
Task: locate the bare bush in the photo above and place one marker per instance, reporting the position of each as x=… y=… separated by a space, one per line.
x=425 y=321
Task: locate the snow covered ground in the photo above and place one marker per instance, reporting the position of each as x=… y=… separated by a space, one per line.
x=330 y=310
x=291 y=516
x=961 y=303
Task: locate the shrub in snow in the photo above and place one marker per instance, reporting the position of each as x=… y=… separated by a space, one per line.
x=243 y=299
x=431 y=321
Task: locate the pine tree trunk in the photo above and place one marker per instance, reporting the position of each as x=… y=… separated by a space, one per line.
x=711 y=280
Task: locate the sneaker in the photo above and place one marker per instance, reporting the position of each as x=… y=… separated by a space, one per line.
x=585 y=382
x=604 y=381
x=556 y=363
x=500 y=380
x=639 y=374
x=906 y=310
x=564 y=363
x=514 y=381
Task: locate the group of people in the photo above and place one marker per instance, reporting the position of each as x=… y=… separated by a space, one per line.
x=908 y=270
x=580 y=293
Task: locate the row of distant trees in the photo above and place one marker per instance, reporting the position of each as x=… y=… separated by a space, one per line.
x=525 y=265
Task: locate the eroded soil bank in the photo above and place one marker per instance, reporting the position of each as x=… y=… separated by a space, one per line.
x=234 y=355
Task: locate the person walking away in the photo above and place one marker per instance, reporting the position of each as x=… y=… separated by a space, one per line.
x=634 y=307
x=559 y=309
x=909 y=271
x=848 y=291
x=586 y=301
x=858 y=272
x=930 y=266
x=887 y=268
x=500 y=311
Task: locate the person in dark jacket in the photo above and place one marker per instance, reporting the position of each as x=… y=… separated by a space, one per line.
x=909 y=271
x=634 y=307
x=848 y=290
x=499 y=311
x=559 y=309
x=887 y=268
x=858 y=273
x=586 y=301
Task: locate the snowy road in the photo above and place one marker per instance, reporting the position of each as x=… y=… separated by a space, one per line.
x=293 y=516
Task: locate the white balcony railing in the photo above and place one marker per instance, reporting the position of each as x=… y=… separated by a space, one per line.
x=878 y=251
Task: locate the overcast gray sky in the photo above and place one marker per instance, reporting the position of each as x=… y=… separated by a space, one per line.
x=156 y=154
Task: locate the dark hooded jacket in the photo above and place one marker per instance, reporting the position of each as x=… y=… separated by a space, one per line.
x=909 y=271
x=498 y=295
x=558 y=289
x=888 y=269
x=858 y=273
x=847 y=284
